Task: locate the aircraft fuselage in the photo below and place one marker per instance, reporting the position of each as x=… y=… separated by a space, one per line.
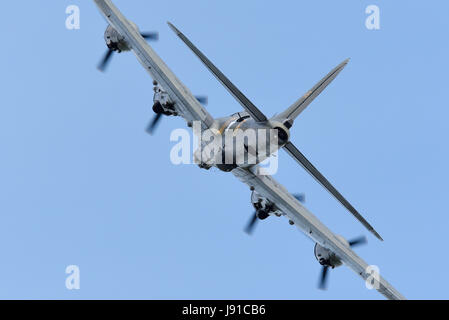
x=239 y=140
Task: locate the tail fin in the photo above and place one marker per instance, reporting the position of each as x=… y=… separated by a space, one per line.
x=295 y=109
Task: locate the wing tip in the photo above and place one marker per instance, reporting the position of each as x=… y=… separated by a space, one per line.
x=343 y=64
x=175 y=30
x=377 y=235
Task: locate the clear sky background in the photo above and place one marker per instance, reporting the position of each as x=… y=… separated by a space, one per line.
x=83 y=184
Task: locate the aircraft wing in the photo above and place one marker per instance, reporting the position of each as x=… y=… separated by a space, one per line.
x=185 y=102
x=266 y=186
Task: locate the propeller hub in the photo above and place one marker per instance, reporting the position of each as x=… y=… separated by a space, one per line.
x=262 y=214
x=326 y=257
x=157 y=107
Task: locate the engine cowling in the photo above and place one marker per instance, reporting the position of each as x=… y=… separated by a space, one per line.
x=115 y=41
x=162 y=103
x=326 y=257
x=264 y=207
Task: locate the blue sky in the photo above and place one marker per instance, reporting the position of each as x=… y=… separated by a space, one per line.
x=82 y=183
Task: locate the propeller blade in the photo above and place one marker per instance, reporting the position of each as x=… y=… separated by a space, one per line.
x=322 y=283
x=252 y=222
x=357 y=241
x=301 y=197
x=204 y=100
x=150 y=35
x=104 y=62
x=152 y=125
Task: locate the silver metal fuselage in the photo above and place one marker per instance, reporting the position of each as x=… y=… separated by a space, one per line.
x=239 y=141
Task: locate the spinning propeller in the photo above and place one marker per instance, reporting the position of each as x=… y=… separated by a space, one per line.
x=262 y=214
x=324 y=270
x=251 y=224
x=108 y=55
x=153 y=123
x=157 y=108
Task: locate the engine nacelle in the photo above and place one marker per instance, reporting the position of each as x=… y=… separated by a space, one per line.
x=326 y=257
x=264 y=207
x=162 y=103
x=115 y=41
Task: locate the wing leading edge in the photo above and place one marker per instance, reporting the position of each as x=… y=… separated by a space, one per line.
x=185 y=102
x=311 y=226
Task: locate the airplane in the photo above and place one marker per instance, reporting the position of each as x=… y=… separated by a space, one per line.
x=269 y=198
